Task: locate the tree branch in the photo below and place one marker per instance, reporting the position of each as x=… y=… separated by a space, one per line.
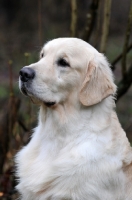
x=125 y=83
x=90 y=20
x=105 y=30
x=22 y=125
x=127 y=36
x=98 y=25
x=119 y=57
x=73 y=18
x=39 y=22
x=7 y=123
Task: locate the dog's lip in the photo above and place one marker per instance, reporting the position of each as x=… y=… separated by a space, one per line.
x=24 y=90
x=50 y=104
x=26 y=93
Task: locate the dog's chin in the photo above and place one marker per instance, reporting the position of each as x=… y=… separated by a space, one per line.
x=34 y=99
x=37 y=100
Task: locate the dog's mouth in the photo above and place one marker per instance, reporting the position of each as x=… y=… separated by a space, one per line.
x=35 y=99
x=24 y=91
x=50 y=104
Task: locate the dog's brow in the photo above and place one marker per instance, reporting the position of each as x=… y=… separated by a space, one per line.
x=45 y=45
x=41 y=54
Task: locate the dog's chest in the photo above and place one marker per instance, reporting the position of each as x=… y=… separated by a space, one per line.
x=78 y=169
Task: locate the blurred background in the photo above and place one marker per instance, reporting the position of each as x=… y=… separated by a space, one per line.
x=24 y=27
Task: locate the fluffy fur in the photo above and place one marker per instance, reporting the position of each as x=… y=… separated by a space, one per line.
x=78 y=151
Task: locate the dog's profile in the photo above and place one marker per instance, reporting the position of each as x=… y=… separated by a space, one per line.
x=78 y=151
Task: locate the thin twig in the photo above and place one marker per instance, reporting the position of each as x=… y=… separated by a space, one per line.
x=11 y=97
x=22 y=125
x=40 y=22
x=90 y=20
x=10 y=77
x=73 y=18
x=105 y=30
x=27 y=55
x=125 y=83
x=98 y=26
x=119 y=58
x=126 y=42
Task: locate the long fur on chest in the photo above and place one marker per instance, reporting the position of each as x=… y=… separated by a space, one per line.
x=63 y=161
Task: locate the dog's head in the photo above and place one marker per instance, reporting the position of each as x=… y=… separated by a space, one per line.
x=68 y=69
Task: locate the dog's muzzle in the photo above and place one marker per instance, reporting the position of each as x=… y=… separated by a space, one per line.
x=27 y=74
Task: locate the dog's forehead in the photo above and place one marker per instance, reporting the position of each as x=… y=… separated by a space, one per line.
x=73 y=48
x=60 y=44
x=67 y=44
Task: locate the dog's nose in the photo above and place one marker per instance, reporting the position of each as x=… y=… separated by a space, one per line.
x=26 y=74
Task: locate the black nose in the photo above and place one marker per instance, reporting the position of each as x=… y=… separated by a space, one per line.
x=26 y=74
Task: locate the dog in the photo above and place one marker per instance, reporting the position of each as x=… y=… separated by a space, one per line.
x=78 y=151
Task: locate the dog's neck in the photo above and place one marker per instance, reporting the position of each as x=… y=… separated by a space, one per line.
x=97 y=117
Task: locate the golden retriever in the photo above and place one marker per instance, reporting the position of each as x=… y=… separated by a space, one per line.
x=78 y=151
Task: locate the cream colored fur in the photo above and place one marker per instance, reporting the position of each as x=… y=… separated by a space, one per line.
x=78 y=151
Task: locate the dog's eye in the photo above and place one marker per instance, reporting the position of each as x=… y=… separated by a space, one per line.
x=63 y=63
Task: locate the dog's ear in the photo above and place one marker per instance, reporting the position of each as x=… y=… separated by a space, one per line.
x=98 y=83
